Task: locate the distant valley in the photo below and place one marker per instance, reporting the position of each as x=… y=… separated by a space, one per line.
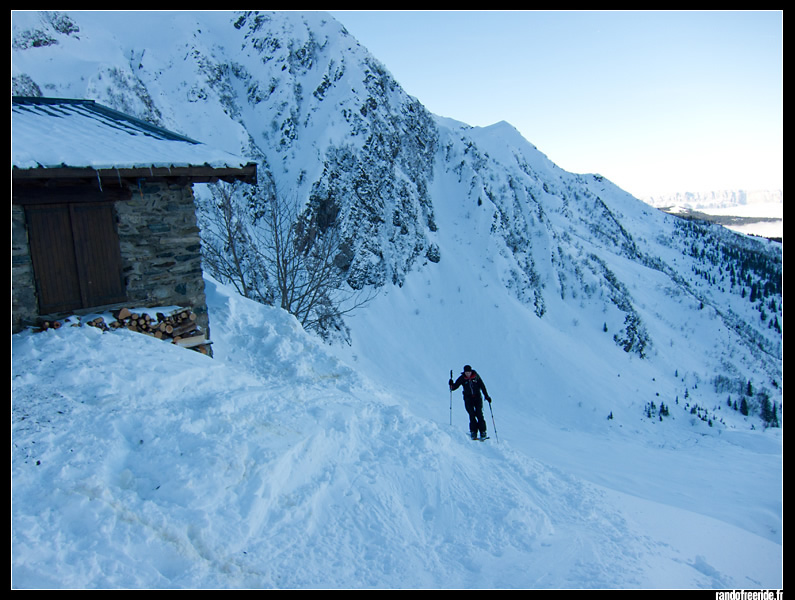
x=759 y=213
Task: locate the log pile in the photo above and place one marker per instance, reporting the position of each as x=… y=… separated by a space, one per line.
x=177 y=326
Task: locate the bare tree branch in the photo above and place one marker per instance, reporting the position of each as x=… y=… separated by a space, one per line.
x=276 y=254
x=227 y=244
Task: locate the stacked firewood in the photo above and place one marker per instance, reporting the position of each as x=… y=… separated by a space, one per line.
x=177 y=326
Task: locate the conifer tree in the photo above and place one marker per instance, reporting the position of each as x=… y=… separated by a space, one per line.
x=744 y=407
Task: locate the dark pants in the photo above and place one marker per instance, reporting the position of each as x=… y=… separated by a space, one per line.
x=474 y=408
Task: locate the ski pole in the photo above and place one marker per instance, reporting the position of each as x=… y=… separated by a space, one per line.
x=451 y=399
x=493 y=425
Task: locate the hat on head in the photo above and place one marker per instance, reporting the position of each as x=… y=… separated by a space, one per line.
x=467 y=368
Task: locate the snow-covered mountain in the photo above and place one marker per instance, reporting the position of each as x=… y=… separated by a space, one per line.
x=584 y=309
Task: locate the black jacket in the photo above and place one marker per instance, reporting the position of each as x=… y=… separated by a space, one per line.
x=472 y=385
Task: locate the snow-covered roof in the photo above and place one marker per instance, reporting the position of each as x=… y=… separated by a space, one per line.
x=66 y=133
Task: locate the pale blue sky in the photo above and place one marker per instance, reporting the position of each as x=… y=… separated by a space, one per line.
x=655 y=101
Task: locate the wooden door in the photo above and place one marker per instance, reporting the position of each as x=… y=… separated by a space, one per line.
x=75 y=252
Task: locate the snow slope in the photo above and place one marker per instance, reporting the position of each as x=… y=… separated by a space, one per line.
x=137 y=464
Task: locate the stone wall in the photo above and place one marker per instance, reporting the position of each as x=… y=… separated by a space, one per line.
x=160 y=250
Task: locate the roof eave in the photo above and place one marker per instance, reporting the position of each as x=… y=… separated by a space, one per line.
x=193 y=174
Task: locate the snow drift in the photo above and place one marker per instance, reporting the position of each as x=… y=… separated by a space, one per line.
x=137 y=464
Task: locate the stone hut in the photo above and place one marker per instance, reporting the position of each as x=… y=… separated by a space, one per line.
x=103 y=213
